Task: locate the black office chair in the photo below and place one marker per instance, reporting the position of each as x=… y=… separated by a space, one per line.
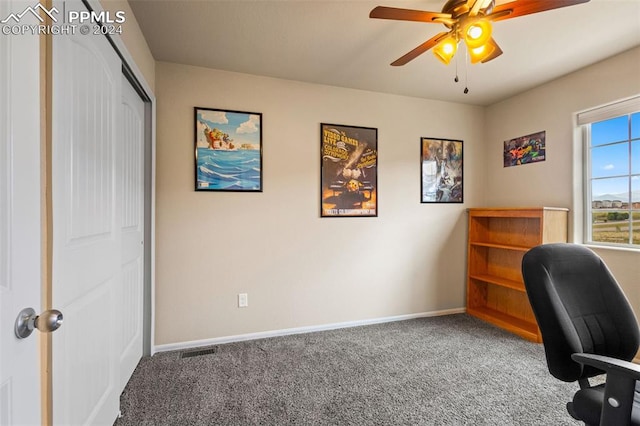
x=588 y=328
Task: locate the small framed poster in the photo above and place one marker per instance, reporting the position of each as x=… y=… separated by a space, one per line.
x=228 y=150
x=525 y=149
x=441 y=170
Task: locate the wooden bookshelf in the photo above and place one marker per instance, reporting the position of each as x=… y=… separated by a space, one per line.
x=498 y=239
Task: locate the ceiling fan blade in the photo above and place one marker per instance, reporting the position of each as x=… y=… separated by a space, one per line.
x=383 y=12
x=475 y=6
x=497 y=52
x=420 y=49
x=526 y=7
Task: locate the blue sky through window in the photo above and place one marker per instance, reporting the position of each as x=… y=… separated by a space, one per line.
x=635 y=125
x=611 y=149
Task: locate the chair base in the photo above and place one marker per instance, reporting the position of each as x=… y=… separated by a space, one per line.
x=589 y=399
x=571 y=412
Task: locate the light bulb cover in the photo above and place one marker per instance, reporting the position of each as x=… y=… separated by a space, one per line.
x=477 y=33
x=484 y=53
x=446 y=49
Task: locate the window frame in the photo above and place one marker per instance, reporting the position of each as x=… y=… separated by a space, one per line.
x=585 y=119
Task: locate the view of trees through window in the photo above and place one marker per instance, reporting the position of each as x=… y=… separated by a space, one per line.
x=615 y=180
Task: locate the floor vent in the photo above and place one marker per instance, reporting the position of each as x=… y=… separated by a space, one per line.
x=198 y=352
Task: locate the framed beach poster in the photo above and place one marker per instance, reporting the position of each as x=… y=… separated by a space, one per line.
x=349 y=171
x=441 y=170
x=228 y=150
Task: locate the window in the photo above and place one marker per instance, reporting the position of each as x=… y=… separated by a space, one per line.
x=612 y=173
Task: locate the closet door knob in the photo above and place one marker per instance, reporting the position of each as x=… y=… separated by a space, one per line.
x=46 y=322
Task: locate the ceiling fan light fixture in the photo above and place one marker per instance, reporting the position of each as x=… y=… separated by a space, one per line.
x=477 y=33
x=482 y=53
x=446 y=49
x=468 y=20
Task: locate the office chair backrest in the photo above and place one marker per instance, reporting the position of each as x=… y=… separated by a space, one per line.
x=579 y=307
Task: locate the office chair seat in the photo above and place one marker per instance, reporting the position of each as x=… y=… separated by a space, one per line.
x=588 y=328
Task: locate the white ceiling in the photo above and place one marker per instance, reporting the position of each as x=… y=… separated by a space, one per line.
x=334 y=42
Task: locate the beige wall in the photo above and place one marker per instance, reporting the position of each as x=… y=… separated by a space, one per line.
x=298 y=269
x=556 y=181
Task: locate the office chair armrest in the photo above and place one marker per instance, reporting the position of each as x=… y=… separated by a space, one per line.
x=608 y=364
x=619 y=388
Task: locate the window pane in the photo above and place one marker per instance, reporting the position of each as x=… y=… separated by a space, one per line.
x=609 y=193
x=612 y=174
x=610 y=160
x=635 y=125
x=611 y=227
x=613 y=130
x=635 y=205
x=635 y=157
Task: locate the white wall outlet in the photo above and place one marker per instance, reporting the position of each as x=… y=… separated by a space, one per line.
x=243 y=300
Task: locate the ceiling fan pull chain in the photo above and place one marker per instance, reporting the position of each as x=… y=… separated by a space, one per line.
x=466 y=71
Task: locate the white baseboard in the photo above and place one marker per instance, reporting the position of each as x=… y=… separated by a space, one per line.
x=298 y=330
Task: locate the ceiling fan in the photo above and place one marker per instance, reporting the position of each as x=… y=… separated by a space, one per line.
x=468 y=21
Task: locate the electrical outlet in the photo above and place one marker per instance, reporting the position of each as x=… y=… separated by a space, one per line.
x=243 y=300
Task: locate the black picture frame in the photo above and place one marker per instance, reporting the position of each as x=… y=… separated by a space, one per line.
x=441 y=170
x=228 y=150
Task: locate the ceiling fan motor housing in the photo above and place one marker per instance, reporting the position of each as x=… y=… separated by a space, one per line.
x=457 y=8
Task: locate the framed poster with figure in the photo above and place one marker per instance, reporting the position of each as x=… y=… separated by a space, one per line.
x=441 y=170
x=228 y=150
x=349 y=171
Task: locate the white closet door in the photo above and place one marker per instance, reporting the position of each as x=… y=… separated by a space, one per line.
x=87 y=227
x=132 y=231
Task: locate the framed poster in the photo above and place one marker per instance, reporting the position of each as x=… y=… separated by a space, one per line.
x=349 y=171
x=441 y=170
x=525 y=149
x=228 y=150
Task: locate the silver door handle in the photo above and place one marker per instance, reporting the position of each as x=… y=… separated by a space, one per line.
x=46 y=322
